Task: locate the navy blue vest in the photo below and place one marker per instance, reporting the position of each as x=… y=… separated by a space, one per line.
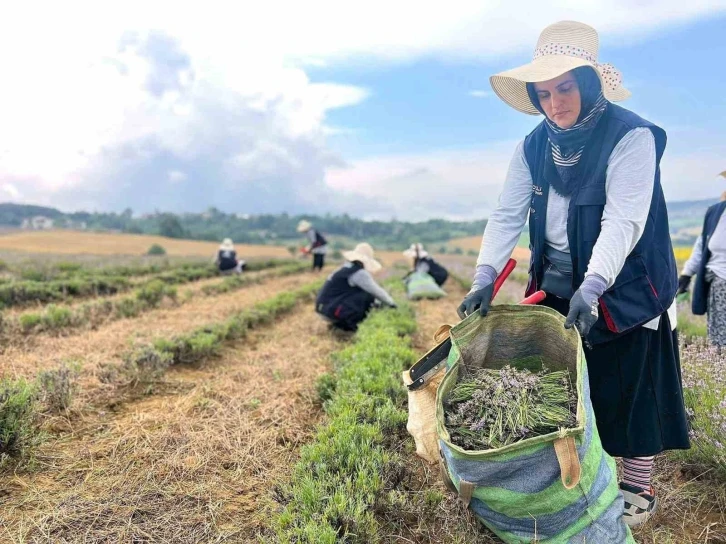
x=646 y=286
x=227 y=259
x=319 y=240
x=702 y=287
x=337 y=290
x=436 y=271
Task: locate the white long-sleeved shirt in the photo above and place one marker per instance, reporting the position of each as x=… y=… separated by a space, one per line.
x=629 y=185
x=320 y=250
x=364 y=280
x=716 y=265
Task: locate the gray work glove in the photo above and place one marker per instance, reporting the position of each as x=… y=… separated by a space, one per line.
x=584 y=303
x=480 y=296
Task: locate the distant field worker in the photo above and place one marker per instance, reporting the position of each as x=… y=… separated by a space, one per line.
x=318 y=244
x=422 y=262
x=350 y=292
x=588 y=180
x=708 y=264
x=226 y=260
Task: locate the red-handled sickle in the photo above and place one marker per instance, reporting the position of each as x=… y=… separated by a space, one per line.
x=534 y=298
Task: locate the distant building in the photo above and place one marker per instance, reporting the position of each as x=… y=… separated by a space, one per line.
x=39 y=222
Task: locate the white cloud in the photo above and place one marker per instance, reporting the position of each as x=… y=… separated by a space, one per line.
x=10 y=190
x=481 y=94
x=693 y=175
x=102 y=100
x=460 y=184
x=175 y=176
x=465 y=184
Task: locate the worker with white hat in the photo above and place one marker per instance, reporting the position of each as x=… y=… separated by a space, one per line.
x=318 y=247
x=226 y=259
x=421 y=261
x=587 y=179
x=708 y=264
x=350 y=292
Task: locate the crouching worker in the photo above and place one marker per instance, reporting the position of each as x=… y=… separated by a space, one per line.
x=350 y=292
x=422 y=262
x=318 y=244
x=226 y=260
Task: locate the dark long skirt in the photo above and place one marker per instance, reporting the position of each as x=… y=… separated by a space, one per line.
x=636 y=391
x=318 y=261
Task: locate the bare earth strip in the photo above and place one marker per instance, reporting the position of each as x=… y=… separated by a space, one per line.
x=194 y=465
x=108 y=344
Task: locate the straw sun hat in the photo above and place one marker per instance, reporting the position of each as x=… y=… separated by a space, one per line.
x=411 y=251
x=363 y=253
x=304 y=226
x=561 y=47
x=226 y=245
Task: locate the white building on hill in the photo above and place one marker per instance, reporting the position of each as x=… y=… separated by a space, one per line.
x=39 y=222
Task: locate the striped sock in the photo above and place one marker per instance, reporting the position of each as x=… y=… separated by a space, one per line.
x=637 y=470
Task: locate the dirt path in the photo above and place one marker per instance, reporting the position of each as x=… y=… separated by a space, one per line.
x=107 y=344
x=193 y=465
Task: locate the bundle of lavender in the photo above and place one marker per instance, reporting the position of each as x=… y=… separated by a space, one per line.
x=493 y=408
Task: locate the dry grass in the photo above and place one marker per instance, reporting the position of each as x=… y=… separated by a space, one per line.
x=94 y=349
x=692 y=508
x=194 y=465
x=83 y=243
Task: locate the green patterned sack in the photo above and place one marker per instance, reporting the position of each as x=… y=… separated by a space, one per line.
x=556 y=488
x=420 y=285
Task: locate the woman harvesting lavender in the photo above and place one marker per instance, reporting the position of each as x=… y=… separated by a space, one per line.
x=708 y=263
x=588 y=180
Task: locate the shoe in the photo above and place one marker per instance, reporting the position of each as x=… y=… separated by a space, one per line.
x=640 y=504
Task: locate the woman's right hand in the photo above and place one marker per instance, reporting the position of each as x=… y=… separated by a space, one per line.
x=479 y=299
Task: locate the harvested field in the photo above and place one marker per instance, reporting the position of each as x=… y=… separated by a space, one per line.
x=93 y=349
x=193 y=464
x=83 y=243
x=204 y=451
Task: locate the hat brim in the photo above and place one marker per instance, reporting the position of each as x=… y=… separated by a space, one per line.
x=411 y=254
x=511 y=85
x=369 y=264
x=226 y=247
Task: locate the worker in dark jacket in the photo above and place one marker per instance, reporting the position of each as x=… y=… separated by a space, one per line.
x=708 y=264
x=350 y=292
x=587 y=179
x=226 y=260
x=318 y=245
x=422 y=262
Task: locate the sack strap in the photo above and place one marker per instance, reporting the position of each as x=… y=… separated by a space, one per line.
x=442 y=333
x=466 y=490
x=570 y=469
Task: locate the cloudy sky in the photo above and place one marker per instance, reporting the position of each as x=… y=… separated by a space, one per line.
x=378 y=109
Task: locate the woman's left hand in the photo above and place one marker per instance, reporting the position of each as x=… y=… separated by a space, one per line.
x=583 y=305
x=583 y=313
